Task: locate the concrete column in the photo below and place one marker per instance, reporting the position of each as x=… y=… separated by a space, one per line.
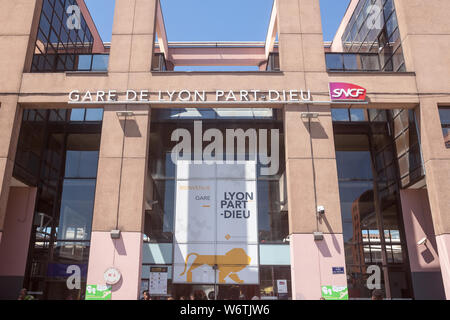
x=310 y=158
x=16 y=239
x=418 y=34
x=312 y=181
x=119 y=200
x=122 y=170
x=14 y=39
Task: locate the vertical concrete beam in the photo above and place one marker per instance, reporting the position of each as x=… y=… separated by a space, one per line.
x=119 y=200
x=122 y=170
x=133 y=36
x=17 y=18
x=310 y=158
x=432 y=69
x=10 y=120
x=312 y=181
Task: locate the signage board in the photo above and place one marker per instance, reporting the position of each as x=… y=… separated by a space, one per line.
x=98 y=292
x=282 y=286
x=216 y=223
x=334 y=293
x=158 y=281
x=340 y=91
x=338 y=270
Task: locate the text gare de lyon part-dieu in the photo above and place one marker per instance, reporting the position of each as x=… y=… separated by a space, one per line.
x=338 y=91
x=172 y=96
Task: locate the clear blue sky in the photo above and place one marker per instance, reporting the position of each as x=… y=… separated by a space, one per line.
x=221 y=20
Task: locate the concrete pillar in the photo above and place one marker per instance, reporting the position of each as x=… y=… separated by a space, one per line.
x=418 y=34
x=14 y=39
x=16 y=239
x=310 y=158
x=122 y=170
x=119 y=200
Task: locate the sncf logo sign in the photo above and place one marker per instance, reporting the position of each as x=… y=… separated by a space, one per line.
x=346 y=91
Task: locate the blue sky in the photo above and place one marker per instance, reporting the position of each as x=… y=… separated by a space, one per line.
x=205 y=20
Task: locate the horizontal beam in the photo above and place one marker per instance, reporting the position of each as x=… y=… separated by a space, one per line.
x=161 y=31
x=272 y=31
x=217 y=56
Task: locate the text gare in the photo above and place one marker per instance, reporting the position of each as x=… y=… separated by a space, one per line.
x=234 y=205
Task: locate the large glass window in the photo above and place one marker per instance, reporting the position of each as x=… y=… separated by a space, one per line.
x=373 y=30
x=273 y=228
x=444 y=113
x=371 y=212
x=55 y=155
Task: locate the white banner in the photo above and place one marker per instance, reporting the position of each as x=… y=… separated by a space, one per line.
x=216 y=223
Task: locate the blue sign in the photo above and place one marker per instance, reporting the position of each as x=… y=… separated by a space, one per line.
x=59 y=270
x=338 y=270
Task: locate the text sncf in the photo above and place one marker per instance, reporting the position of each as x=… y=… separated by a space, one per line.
x=348 y=93
x=235 y=205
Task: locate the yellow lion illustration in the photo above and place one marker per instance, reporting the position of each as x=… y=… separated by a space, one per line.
x=229 y=264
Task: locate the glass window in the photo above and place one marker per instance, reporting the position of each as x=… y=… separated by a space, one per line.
x=350 y=62
x=100 y=62
x=358 y=115
x=334 y=61
x=369 y=202
x=77 y=204
x=340 y=114
x=77 y=114
x=94 y=114
x=444 y=113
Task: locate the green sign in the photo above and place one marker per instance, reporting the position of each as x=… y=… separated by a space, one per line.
x=334 y=293
x=98 y=292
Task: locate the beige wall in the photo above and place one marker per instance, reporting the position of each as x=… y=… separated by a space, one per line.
x=425 y=32
x=16 y=18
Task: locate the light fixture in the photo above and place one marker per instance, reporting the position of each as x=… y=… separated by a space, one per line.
x=124 y=113
x=320 y=211
x=318 y=236
x=422 y=241
x=309 y=115
x=115 y=234
x=149 y=204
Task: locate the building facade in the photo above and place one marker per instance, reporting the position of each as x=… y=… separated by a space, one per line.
x=325 y=168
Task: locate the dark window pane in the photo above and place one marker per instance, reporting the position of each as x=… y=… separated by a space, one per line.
x=444 y=113
x=334 y=61
x=350 y=62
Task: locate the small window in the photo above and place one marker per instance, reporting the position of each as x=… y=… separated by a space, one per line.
x=444 y=113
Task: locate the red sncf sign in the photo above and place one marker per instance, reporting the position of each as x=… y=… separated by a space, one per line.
x=346 y=91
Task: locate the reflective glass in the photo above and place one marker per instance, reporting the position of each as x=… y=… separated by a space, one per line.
x=77 y=204
x=340 y=114
x=94 y=114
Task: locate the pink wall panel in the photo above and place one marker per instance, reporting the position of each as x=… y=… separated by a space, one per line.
x=16 y=234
